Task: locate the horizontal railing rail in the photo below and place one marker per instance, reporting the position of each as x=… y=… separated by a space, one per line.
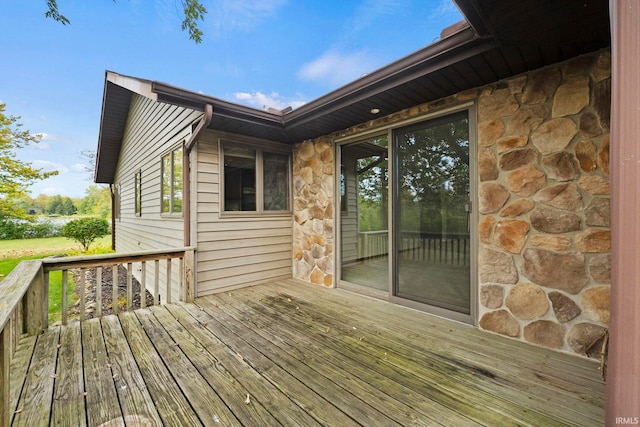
x=437 y=248
x=24 y=294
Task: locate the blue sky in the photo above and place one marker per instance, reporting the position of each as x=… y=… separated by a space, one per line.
x=272 y=53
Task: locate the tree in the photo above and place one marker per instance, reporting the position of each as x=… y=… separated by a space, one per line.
x=15 y=175
x=86 y=230
x=96 y=202
x=67 y=207
x=193 y=11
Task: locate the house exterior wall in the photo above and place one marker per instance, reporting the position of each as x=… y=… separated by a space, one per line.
x=543 y=201
x=152 y=129
x=234 y=251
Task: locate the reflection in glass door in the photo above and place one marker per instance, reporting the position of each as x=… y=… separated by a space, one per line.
x=364 y=229
x=431 y=231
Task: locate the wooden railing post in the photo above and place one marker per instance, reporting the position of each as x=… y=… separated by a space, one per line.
x=45 y=297
x=5 y=386
x=189 y=275
x=33 y=318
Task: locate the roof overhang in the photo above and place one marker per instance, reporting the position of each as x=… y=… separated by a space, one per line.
x=497 y=40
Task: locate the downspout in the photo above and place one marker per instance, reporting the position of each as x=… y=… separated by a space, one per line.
x=186 y=170
x=113 y=216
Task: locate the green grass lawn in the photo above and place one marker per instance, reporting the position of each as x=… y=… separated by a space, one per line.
x=48 y=246
x=14 y=251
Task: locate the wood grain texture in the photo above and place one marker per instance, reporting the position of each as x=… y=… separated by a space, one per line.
x=289 y=353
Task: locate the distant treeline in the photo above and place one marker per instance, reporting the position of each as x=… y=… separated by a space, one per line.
x=44 y=216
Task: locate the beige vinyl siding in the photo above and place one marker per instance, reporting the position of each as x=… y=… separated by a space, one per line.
x=349 y=219
x=234 y=252
x=153 y=128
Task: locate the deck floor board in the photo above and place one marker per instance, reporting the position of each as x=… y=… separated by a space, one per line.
x=292 y=354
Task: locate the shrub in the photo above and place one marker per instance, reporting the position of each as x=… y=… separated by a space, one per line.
x=86 y=230
x=29 y=228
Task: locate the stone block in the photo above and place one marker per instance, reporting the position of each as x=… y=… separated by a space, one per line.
x=526 y=181
x=563 y=271
x=602 y=68
x=603 y=155
x=510 y=142
x=518 y=158
x=541 y=86
x=571 y=97
x=595 y=184
x=561 y=166
x=554 y=221
x=306 y=173
x=317 y=277
x=564 y=308
x=586 y=155
x=489 y=132
x=590 y=124
x=600 y=268
x=601 y=95
x=554 y=135
x=485 y=228
x=500 y=103
x=545 y=333
x=562 y=196
x=491 y=296
x=583 y=335
x=305 y=150
x=596 y=304
x=492 y=197
x=526 y=120
x=554 y=243
x=517 y=208
x=511 y=235
x=497 y=267
x=527 y=301
x=598 y=213
x=578 y=65
x=594 y=240
x=487 y=165
x=301 y=270
x=501 y=322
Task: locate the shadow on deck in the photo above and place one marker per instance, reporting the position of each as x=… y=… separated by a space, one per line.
x=288 y=353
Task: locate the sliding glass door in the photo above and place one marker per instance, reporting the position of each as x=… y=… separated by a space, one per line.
x=432 y=193
x=364 y=212
x=405 y=223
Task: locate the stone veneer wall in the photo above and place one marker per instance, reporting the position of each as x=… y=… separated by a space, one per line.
x=313 y=195
x=543 y=189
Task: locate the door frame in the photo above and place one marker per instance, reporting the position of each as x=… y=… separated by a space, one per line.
x=470 y=318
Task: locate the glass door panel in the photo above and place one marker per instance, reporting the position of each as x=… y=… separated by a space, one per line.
x=431 y=232
x=364 y=230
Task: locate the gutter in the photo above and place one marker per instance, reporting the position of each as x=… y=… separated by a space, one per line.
x=186 y=170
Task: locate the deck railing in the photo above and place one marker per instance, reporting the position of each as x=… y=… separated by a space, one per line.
x=24 y=294
x=436 y=248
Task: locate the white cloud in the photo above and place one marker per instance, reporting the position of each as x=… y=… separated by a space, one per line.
x=43 y=143
x=264 y=101
x=336 y=68
x=79 y=167
x=242 y=15
x=48 y=166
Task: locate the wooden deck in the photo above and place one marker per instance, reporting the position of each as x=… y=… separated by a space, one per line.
x=293 y=354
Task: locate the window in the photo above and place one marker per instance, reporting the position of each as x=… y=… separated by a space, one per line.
x=172 y=182
x=138 y=193
x=255 y=180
